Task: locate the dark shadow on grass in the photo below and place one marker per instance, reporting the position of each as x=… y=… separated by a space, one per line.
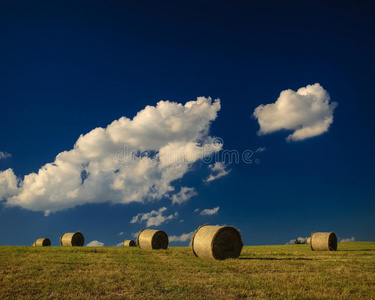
x=273 y=258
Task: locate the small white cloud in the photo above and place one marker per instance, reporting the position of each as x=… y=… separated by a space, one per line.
x=153 y=218
x=4 y=155
x=196 y=210
x=218 y=169
x=184 y=195
x=95 y=244
x=120 y=244
x=261 y=149
x=209 y=212
x=181 y=238
x=121 y=233
x=308 y=112
x=352 y=239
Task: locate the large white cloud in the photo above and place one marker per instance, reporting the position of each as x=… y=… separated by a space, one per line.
x=308 y=112
x=128 y=161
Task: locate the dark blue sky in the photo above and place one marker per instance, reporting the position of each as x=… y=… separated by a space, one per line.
x=69 y=67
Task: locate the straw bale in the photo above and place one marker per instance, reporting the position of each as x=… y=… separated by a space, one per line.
x=152 y=239
x=308 y=240
x=323 y=241
x=129 y=243
x=216 y=242
x=70 y=239
x=42 y=242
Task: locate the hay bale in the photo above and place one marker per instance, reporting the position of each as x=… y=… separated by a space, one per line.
x=33 y=245
x=216 y=242
x=308 y=240
x=323 y=241
x=129 y=243
x=152 y=239
x=42 y=242
x=70 y=239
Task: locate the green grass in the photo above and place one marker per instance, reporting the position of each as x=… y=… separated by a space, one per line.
x=262 y=272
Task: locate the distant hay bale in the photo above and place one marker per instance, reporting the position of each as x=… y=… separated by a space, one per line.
x=308 y=240
x=70 y=239
x=42 y=242
x=152 y=239
x=33 y=245
x=323 y=241
x=129 y=243
x=216 y=242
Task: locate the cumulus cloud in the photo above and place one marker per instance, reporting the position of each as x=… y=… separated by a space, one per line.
x=95 y=244
x=184 y=195
x=121 y=233
x=8 y=184
x=181 y=238
x=218 y=169
x=209 y=212
x=131 y=160
x=119 y=244
x=4 y=155
x=154 y=218
x=352 y=239
x=261 y=149
x=308 y=112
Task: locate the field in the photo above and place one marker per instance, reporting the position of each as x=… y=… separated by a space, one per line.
x=261 y=272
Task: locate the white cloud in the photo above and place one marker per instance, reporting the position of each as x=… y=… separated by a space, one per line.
x=119 y=244
x=110 y=164
x=218 y=169
x=209 y=212
x=4 y=155
x=308 y=112
x=8 y=184
x=352 y=239
x=153 y=218
x=196 y=210
x=181 y=238
x=121 y=233
x=261 y=149
x=184 y=195
x=95 y=244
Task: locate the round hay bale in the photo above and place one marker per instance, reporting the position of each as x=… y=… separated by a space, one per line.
x=216 y=242
x=42 y=242
x=323 y=241
x=70 y=239
x=152 y=239
x=308 y=240
x=129 y=243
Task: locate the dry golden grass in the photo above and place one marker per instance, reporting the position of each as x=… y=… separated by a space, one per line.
x=262 y=272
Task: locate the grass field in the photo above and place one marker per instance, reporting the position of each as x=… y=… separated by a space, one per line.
x=261 y=272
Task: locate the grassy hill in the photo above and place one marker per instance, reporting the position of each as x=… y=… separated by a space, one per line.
x=261 y=272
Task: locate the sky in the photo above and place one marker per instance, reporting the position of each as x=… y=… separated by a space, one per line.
x=122 y=115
